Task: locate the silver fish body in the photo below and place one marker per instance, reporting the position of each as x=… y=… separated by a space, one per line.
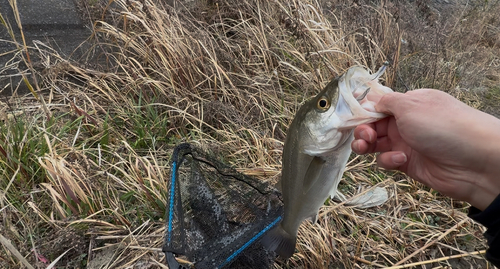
x=316 y=151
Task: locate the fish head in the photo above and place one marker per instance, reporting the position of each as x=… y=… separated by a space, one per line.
x=359 y=92
x=343 y=104
x=322 y=123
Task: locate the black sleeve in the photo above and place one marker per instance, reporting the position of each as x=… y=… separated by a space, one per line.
x=490 y=218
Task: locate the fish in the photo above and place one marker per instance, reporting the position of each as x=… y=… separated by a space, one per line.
x=317 y=148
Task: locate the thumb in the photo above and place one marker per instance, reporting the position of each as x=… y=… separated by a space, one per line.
x=390 y=103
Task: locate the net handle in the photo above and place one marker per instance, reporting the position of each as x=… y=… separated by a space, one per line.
x=172 y=262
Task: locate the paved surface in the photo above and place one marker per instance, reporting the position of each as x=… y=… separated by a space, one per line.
x=54 y=22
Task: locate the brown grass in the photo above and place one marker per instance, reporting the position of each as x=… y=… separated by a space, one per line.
x=86 y=181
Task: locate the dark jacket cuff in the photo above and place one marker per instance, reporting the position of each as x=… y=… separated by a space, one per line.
x=490 y=218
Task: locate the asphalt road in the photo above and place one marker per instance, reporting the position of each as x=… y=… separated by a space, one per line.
x=53 y=22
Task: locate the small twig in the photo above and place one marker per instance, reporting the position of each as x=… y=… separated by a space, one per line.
x=456 y=249
x=160 y=264
x=431 y=243
x=108 y=237
x=146 y=248
x=365 y=261
x=439 y=259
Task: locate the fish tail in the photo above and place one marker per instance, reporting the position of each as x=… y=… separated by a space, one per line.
x=279 y=241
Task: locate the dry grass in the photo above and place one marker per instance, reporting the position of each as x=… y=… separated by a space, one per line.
x=84 y=158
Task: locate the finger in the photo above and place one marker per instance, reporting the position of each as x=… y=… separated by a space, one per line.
x=382 y=127
x=392 y=160
x=371 y=131
x=383 y=144
x=390 y=103
x=361 y=146
x=366 y=132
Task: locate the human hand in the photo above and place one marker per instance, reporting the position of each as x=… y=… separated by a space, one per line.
x=439 y=141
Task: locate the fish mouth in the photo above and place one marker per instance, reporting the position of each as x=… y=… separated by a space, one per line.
x=359 y=92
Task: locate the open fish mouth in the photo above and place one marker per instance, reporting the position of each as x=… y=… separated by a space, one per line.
x=359 y=92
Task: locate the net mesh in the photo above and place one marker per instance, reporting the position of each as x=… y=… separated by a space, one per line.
x=215 y=215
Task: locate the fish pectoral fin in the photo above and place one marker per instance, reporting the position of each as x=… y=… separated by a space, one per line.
x=312 y=174
x=281 y=242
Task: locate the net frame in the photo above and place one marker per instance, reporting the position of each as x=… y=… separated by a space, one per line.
x=235 y=239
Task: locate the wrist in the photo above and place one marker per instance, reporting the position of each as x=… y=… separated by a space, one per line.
x=482 y=198
x=484 y=191
x=487 y=184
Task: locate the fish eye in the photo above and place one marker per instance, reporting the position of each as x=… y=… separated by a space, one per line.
x=323 y=103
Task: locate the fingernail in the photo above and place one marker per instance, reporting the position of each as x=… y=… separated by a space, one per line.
x=399 y=158
x=355 y=146
x=365 y=135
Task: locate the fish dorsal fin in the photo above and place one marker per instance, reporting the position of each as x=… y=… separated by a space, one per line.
x=312 y=174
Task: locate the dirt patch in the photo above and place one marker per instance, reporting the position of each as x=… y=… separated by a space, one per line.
x=65 y=239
